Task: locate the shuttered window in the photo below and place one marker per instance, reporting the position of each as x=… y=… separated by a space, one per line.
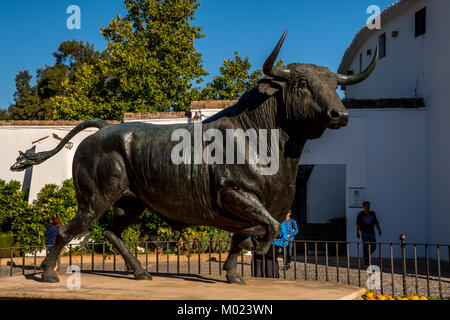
x=382 y=45
x=421 y=22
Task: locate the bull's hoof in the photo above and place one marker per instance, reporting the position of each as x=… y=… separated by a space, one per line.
x=234 y=278
x=260 y=247
x=50 y=275
x=143 y=276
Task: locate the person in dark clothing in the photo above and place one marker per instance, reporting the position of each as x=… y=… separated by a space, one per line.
x=269 y=266
x=51 y=233
x=291 y=230
x=365 y=222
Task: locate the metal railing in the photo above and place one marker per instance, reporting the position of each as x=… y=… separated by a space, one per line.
x=409 y=270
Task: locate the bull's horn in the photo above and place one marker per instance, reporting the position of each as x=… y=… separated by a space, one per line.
x=269 y=69
x=354 y=79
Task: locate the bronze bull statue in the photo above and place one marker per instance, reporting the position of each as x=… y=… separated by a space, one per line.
x=129 y=166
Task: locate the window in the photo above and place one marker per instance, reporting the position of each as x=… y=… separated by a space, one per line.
x=382 y=45
x=421 y=22
x=360 y=62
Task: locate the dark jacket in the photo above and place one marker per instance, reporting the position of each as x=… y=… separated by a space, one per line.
x=51 y=233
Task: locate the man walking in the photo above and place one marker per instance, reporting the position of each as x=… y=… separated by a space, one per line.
x=291 y=228
x=364 y=223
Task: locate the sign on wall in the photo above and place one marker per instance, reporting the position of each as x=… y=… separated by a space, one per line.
x=355 y=197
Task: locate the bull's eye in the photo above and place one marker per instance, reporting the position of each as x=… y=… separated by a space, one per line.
x=303 y=83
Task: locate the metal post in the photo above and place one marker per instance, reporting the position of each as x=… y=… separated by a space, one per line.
x=337 y=262
x=348 y=263
x=439 y=270
x=392 y=270
x=295 y=259
x=381 y=267
x=220 y=257
x=103 y=256
x=275 y=260
x=70 y=254
x=199 y=245
x=428 y=269
x=209 y=255
x=81 y=262
x=359 y=264
x=242 y=263
x=178 y=256
x=284 y=260
x=11 y=263
x=35 y=253
x=146 y=256
x=167 y=255
x=92 y=259
x=264 y=265
x=315 y=261
x=23 y=261
x=157 y=257
x=114 y=259
x=402 y=244
x=415 y=269
x=189 y=257
x=326 y=262
x=306 y=262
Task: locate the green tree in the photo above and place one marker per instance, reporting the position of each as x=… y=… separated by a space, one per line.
x=150 y=64
x=4 y=115
x=34 y=102
x=234 y=79
x=26 y=99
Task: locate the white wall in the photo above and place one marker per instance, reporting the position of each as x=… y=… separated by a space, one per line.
x=325 y=194
x=55 y=170
x=384 y=151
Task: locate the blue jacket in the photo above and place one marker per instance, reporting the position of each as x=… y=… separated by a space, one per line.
x=291 y=228
x=282 y=237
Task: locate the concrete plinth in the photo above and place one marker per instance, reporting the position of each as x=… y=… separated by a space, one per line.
x=122 y=286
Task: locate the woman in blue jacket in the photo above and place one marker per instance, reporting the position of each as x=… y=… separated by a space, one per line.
x=290 y=225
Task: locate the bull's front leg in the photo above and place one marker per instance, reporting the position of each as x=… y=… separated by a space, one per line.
x=247 y=206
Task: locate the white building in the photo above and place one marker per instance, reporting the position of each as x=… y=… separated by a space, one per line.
x=407 y=151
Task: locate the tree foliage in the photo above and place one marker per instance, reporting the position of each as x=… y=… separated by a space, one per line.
x=233 y=81
x=150 y=64
x=34 y=102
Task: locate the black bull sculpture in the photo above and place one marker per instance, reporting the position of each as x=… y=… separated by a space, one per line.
x=129 y=166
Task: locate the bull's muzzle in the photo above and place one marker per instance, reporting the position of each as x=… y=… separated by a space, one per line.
x=338 y=118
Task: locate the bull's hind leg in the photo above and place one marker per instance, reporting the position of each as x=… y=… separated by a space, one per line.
x=247 y=206
x=238 y=242
x=99 y=182
x=82 y=221
x=126 y=211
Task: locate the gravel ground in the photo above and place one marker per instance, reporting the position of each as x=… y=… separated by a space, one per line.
x=213 y=267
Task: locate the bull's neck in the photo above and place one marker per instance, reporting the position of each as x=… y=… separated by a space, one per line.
x=265 y=116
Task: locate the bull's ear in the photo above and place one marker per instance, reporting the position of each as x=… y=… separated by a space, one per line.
x=269 y=86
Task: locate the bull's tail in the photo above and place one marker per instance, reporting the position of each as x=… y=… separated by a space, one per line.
x=26 y=160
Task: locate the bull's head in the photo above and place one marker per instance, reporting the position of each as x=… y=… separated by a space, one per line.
x=309 y=91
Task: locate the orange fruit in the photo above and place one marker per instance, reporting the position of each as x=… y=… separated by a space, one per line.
x=381 y=297
x=423 y=298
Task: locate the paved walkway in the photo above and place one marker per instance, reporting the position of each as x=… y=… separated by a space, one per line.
x=122 y=286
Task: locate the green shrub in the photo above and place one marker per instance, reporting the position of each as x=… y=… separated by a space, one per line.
x=27 y=223
x=7 y=241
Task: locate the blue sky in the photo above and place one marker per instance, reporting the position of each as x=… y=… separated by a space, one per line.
x=319 y=31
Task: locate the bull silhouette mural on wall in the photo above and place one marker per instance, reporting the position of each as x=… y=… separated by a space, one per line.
x=128 y=166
